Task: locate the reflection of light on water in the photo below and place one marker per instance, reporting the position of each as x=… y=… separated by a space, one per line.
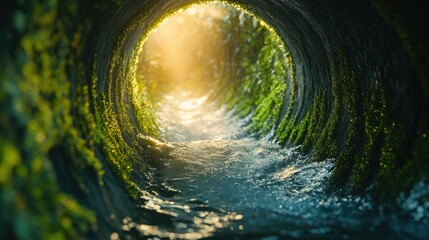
x=287 y=172
x=183 y=117
x=189 y=223
x=189 y=110
x=192 y=103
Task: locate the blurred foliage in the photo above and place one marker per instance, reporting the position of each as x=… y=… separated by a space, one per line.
x=257 y=74
x=42 y=126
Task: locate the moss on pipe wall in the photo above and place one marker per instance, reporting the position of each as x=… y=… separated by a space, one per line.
x=366 y=117
x=39 y=120
x=61 y=137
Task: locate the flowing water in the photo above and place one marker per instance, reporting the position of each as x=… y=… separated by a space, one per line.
x=225 y=185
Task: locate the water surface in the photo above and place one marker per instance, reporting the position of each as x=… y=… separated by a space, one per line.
x=225 y=185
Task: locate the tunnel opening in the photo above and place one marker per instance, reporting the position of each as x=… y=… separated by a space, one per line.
x=222 y=53
x=331 y=134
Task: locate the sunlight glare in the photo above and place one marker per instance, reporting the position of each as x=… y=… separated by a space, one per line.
x=178 y=45
x=192 y=104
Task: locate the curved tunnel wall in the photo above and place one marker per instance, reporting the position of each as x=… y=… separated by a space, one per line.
x=355 y=85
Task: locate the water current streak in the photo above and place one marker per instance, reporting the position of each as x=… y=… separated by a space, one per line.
x=224 y=184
